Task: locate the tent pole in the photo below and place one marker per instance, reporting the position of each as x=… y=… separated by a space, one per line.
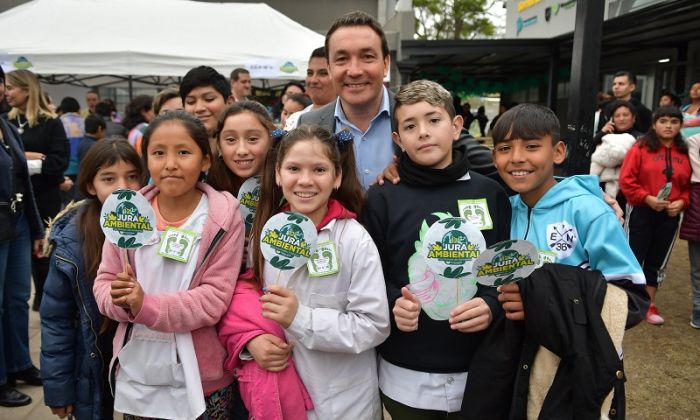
x=131 y=88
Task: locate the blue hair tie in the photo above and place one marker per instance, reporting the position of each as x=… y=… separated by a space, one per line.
x=343 y=136
x=278 y=133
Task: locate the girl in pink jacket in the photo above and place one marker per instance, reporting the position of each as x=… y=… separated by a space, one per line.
x=168 y=360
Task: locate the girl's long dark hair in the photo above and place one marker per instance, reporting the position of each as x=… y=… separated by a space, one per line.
x=103 y=153
x=651 y=140
x=220 y=176
x=341 y=154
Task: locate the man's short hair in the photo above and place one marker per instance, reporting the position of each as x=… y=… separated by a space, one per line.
x=358 y=18
x=630 y=76
x=103 y=109
x=69 y=104
x=423 y=91
x=527 y=122
x=204 y=76
x=236 y=73
x=92 y=91
x=93 y=123
x=319 y=52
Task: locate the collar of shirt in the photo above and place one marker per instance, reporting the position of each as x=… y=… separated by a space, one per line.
x=373 y=148
x=383 y=108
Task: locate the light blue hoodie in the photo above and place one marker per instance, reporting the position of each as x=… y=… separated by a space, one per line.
x=572 y=225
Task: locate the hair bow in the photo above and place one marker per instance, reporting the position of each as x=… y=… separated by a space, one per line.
x=278 y=133
x=343 y=136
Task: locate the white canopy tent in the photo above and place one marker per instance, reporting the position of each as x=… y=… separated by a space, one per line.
x=90 y=42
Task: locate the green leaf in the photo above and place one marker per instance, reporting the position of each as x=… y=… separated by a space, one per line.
x=279 y=263
x=121 y=243
x=296 y=218
x=453 y=274
x=507 y=244
x=125 y=194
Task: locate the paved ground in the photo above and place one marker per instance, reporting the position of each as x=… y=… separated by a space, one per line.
x=662 y=363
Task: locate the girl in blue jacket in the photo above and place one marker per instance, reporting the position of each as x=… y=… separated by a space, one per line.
x=76 y=341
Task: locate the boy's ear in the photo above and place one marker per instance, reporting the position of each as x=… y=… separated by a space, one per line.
x=559 y=152
x=457 y=124
x=230 y=100
x=397 y=139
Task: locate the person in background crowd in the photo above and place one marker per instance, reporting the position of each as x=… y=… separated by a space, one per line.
x=502 y=108
x=76 y=341
x=624 y=84
x=691 y=112
x=167 y=100
x=602 y=100
x=295 y=103
x=655 y=178
x=669 y=98
x=139 y=112
x=241 y=84
x=47 y=151
x=467 y=115
x=92 y=98
x=288 y=89
x=4 y=107
x=104 y=110
x=319 y=86
x=95 y=128
x=205 y=93
x=612 y=143
x=74 y=126
x=21 y=231
x=483 y=120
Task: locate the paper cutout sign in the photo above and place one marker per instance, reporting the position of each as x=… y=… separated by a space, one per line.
x=437 y=295
x=287 y=240
x=506 y=262
x=451 y=245
x=665 y=191
x=128 y=220
x=248 y=196
x=439 y=273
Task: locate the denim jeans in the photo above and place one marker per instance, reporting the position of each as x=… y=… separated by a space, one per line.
x=15 y=287
x=694 y=254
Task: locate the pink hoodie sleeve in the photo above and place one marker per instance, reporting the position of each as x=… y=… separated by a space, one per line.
x=110 y=266
x=206 y=302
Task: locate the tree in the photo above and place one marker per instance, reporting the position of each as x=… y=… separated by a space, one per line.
x=452 y=19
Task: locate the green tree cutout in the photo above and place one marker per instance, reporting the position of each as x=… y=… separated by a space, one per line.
x=453 y=19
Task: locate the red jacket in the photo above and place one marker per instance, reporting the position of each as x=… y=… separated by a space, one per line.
x=643 y=173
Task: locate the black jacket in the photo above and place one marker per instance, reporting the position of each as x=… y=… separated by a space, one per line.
x=642 y=122
x=15 y=146
x=562 y=306
x=393 y=216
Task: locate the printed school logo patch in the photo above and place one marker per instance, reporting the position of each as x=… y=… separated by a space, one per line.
x=562 y=239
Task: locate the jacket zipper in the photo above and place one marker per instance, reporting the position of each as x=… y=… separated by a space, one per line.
x=529 y=220
x=82 y=302
x=210 y=249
